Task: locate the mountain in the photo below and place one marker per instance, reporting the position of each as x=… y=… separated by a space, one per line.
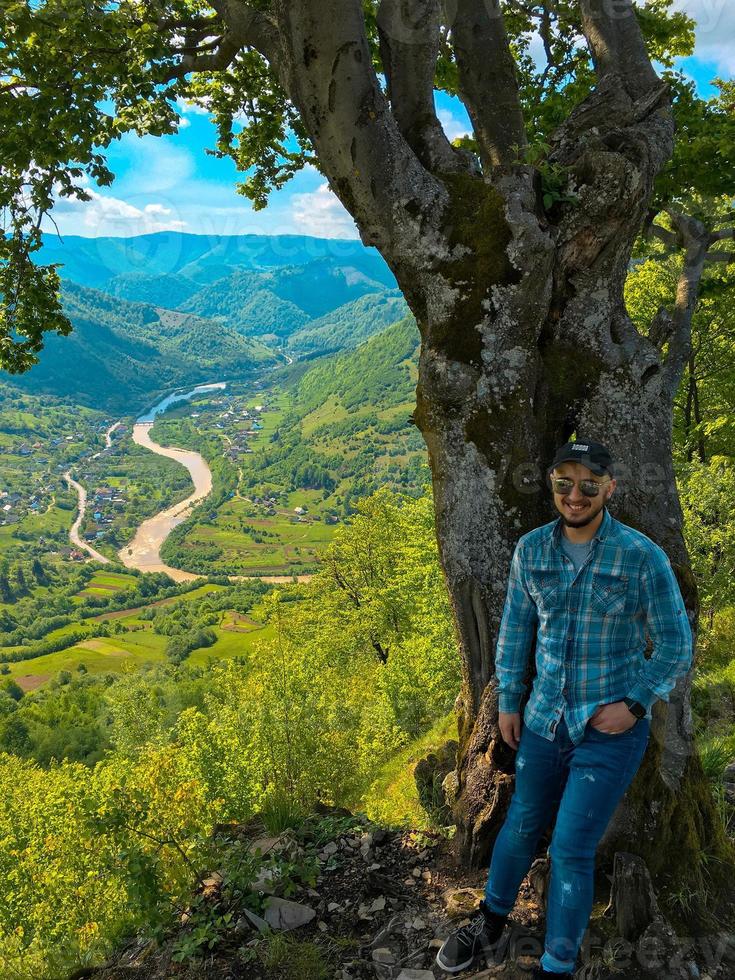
x=117 y=265
x=121 y=353
x=350 y=324
x=280 y=301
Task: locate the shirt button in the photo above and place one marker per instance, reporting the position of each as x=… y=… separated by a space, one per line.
x=565 y=691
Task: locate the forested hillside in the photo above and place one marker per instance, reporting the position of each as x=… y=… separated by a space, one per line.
x=120 y=353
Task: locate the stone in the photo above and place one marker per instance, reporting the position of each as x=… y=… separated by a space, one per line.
x=267 y=881
x=283 y=915
x=384 y=956
x=330 y=848
x=418 y=923
x=333 y=906
x=379 y=904
x=429 y=775
x=260 y=924
x=462 y=901
x=416 y=872
x=265 y=844
x=409 y=974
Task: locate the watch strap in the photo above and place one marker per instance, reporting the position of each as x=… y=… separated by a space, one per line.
x=635 y=707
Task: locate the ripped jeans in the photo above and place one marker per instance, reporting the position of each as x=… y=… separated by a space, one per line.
x=586 y=782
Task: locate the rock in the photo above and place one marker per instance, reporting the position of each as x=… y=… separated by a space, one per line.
x=333 y=906
x=657 y=946
x=265 y=844
x=380 y=836
x=284 y=915
x=384 y=956
x=260 y=924
x=728 y=775
x=426 y=875
x=322 y=926
x=378 y=905
x=409 y=882
x=418 y=923
x=450 y=787
x=330 y=848
x=416 y=872
x=415 y=975
x=429 y=775
x=267 y=881
x=462 y=901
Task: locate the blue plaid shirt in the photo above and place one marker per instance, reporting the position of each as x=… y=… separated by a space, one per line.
x=590 y=626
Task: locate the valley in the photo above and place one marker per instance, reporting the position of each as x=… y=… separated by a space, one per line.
x=221 y=486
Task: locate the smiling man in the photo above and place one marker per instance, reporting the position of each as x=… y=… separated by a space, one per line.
x=588 y=588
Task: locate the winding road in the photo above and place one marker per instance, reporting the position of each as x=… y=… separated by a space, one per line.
x=74 y=530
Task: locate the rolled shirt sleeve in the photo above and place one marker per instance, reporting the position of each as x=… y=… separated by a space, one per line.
x=518 y=626
x=669 y=629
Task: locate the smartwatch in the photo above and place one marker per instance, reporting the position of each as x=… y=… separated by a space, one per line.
x=635 y=707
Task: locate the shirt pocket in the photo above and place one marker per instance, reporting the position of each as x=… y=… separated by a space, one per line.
x=610 y=593
x=545 y=588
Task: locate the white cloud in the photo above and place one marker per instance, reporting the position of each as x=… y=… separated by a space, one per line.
x=155 y=165
x=453 y=127
x=320 y=213
x=105 y=215
x=715 y=32
x=192 y=108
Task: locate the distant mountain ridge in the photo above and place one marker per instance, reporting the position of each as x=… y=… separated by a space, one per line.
x=201 y=259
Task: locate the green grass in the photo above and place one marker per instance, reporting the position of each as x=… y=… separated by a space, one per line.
x=392 y=800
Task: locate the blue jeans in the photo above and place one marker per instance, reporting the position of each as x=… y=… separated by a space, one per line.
x=586 y=782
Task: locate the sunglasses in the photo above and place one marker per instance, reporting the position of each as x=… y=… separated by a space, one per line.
x=590 y=488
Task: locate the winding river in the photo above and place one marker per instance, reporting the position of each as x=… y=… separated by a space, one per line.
x=144 y=551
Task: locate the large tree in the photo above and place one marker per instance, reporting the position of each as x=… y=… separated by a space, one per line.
x=511 y=253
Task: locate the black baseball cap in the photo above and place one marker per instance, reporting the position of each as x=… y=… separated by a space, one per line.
x=593 y=455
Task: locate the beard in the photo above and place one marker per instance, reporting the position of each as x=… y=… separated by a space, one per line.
x=582 y=519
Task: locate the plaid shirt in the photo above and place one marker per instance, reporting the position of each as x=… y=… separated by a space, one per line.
x=589 y=626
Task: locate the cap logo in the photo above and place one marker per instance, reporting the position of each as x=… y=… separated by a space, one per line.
x=579 y=447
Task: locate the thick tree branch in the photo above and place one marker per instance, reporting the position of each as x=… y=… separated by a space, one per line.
x=409 y=45
x=616 y=44
x=722 y=234
x=487 y=80
x=369 y=163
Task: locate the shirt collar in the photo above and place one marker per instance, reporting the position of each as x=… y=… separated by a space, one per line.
x=602 y=531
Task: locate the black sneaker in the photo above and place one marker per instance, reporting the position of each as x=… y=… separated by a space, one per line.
x=460 y=949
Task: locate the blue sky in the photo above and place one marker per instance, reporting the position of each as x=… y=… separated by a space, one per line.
x=171 y=183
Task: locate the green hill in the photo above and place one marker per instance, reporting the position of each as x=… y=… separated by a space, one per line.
x=350 y=324
x=281 y=301
x=121 y=353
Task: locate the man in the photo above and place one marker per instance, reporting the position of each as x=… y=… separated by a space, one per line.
x=586 y=585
